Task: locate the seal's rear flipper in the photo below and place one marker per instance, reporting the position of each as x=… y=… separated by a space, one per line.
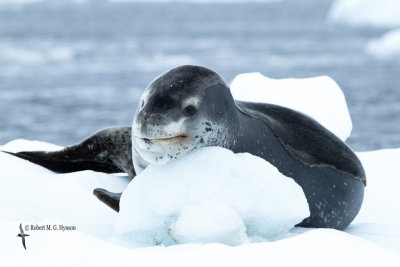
x=108 y=198
x=59 y=162
x=107 y=151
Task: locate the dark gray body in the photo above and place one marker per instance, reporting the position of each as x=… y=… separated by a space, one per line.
x=329 y=172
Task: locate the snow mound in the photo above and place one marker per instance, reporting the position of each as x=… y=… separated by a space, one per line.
x=320 y=98
x=382 y=13
x=207 y=222
x=210 y=195
x=386 y=47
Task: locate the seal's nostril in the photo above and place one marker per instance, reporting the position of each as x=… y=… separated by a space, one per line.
x=152 y=117
x=147 y=141
x=146 y=116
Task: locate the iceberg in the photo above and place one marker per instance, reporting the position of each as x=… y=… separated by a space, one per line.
x=18 y=2
x=379 y=13
x=319 y=97
x=386 y=47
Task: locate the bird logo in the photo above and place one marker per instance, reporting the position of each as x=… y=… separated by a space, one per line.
x=22 y=235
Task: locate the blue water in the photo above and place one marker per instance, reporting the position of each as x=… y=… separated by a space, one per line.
x=68 y=70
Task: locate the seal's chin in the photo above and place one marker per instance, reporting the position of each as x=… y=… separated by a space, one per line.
x=161 y=149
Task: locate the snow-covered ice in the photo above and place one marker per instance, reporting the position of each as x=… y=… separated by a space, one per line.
x=30 y=194
x=35 y=192
x=386 y=47
x=382 y=13
x=379 y=218
x=320 y=98
x=33 y=195
x=211 y=195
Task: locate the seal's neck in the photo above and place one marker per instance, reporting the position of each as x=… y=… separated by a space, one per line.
x=249 y=131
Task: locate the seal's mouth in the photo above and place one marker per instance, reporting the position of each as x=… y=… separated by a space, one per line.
x=175 y=138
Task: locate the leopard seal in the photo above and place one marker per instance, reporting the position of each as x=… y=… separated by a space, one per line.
x=189 y=107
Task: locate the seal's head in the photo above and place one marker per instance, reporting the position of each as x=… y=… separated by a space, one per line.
x=183 y=109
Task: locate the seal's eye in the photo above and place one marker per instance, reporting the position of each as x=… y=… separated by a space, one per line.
x=142 y=104
x=190 y=110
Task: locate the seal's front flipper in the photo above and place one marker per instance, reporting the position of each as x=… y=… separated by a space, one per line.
x=108 y=151
x=108 y=198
